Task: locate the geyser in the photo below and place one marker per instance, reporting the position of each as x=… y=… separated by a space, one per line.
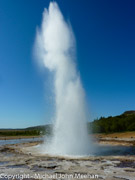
x=55 y=45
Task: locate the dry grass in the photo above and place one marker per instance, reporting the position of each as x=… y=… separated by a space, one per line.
x=16 y=137
x=117 y=135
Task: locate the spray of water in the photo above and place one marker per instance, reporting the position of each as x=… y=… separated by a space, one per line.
x=55 y=44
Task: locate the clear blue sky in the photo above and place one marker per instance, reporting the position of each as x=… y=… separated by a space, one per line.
x=105 y=36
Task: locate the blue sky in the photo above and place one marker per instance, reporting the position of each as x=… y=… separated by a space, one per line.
x=105 y=39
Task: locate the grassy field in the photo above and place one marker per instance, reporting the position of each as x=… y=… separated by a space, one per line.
x=117 y=135
x=16 y=137
x=18 y=132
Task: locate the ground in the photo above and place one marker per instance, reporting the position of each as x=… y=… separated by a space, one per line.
x=20 y=159
x=109 y=135
x=117 y=135
x=16 y=137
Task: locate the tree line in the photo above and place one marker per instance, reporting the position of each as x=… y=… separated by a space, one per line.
x=19 y=133
x=121 y=123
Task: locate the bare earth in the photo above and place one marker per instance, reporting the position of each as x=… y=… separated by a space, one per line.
x=23 y=160
x=126 y=138
x=17 y=159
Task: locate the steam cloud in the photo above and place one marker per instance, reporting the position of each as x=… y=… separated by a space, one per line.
x=55 y=44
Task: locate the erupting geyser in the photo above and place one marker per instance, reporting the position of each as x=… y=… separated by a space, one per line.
x=55 y=46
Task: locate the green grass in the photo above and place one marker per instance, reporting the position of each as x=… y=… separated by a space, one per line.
x=30 y=131
x=19 y=133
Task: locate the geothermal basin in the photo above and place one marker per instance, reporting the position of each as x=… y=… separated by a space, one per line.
x=114 y=161
x=70 y=153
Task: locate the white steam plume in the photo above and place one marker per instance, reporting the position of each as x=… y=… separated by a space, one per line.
x=55 y=44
